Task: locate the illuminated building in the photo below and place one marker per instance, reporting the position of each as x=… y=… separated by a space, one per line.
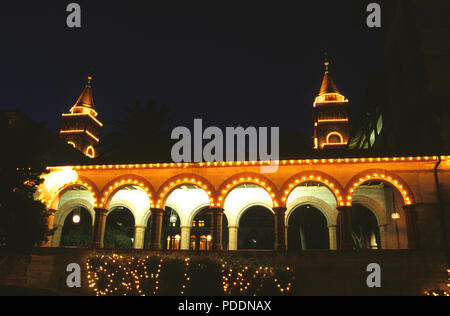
x=335 y=188
x=330 y=115
x=81 y=128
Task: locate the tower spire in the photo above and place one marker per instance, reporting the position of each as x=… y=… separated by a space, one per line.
x=86 y=99
x=330 y=114
x=326 y=62
x=81 y=128
x=328 y=85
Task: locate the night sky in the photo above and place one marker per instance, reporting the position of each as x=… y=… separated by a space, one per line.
x=229 y=63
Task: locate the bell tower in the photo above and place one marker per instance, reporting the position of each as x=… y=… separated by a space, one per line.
x=80 y=127
x=330 y=115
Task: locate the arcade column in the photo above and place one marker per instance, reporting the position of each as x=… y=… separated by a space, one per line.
x=232 y=237
x=185 y=237
x=345 y=227
x=280 y=229
x=332 y=230
x=155 y=228
x=99 y=227
x=139 y=236
x=216 y=228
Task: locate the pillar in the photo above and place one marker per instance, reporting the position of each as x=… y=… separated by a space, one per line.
x=232 y=237
x=155 y=228
x=383 y=236
x=51 y=219
x=280 y=230
x=216 y=228
x=411 y=226
x=345 y=226
x=185 y=237
x=286 y=229
x=139 y=236
x=56 y=238
x=332 y=230
x=99 y=227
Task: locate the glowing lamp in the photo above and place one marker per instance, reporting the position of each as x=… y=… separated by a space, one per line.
x=395 y=215
x=76 y=218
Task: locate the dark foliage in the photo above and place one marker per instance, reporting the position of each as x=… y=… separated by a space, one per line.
x=23 y=220
x=142 y=135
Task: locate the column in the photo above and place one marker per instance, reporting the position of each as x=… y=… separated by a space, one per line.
x=51 y=219
x=383 y=235
x=280 y=231
x=155 y=228
x=286 y=229
x=216 y=228
x=56 y=238
x=185 y=237
x=139 y=236
x=99 y=227
x=345 y=225
x=332 y=229
x=411 y=226
x=232 y=237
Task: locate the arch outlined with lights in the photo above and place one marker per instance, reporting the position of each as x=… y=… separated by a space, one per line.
x=313 y=176
x=188 y=178
x=247 y=178
x=118 y=183
x=90 y=152
x=81 y=181
x=341 y=138
x=380 y=175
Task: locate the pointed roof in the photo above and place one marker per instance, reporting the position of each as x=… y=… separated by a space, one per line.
x=86 y=99
x=328 y=85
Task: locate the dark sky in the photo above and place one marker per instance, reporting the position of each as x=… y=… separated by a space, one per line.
x=229 y=63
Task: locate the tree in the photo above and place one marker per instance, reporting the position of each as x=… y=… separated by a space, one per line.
x=142 y=136
x=23 y=220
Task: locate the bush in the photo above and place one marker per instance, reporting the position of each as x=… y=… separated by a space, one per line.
x=172 y=276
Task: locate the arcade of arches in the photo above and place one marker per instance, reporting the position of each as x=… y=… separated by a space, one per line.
x=365 y=203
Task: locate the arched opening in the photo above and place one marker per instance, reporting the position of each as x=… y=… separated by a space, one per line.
x=170 y=231
x=365 y=229
x=385 y=204
x=75 y=193
x=201 y=231
x=119 y=229
x=256 y=229
x=77 y=229
x=307 y=229
x=366 y=234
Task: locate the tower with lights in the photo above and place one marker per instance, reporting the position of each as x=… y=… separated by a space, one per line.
x=330 y=115
x=80 y=127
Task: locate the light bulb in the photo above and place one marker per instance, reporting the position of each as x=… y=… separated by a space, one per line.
x=76 y=219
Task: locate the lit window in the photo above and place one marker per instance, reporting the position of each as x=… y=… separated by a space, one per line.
x=90 y=152
x=334 y=138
